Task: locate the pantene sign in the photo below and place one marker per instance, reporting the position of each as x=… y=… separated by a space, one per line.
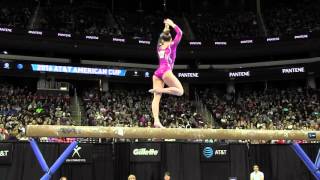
x=293 y=70
x=239 y=74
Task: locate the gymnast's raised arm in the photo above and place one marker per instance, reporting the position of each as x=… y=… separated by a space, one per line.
x=179 y=33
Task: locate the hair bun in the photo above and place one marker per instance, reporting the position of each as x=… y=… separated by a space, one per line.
x=166 y=32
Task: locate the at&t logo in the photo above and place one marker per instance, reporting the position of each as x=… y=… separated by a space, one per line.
x=207 y=152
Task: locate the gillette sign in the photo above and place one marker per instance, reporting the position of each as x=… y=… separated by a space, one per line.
x=145 y=152
x=293 y=70
x=239 y=74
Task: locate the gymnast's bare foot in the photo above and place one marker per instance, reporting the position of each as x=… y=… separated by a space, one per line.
x=156 y=90
x=158 y=125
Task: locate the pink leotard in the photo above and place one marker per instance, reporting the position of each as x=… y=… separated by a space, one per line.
x=167 y=56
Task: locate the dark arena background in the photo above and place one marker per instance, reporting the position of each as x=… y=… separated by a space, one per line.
x=79 y=99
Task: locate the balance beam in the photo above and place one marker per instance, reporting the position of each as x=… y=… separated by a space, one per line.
x=167 y=133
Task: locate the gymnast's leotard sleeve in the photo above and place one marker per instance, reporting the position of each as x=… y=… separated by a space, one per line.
x=177 y=38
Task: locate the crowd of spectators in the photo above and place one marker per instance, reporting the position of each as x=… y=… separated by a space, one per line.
x=287 y=17
x=90 y=18
x=274 y=109
x=15 y=14
x=233 y=25
x=20 y=106
x=95 y=18
x=132 y=108
x=140 y=25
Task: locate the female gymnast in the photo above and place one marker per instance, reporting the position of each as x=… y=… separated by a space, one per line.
x=163 y=75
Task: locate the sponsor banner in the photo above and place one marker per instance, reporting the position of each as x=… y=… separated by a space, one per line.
x=188 y=74
x=214 y=152
x=4 y=29
x=273 y=39
x=82 y=153
x=6 y=153
x=293 y=70
x=78 y=70
x=145 y=152
x=238 y=74
x=194 y=44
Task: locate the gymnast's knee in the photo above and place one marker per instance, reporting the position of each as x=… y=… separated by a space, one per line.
x=180 y=92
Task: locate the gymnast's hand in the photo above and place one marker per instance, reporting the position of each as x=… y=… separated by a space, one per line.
x=169 y=22
x=166 y=28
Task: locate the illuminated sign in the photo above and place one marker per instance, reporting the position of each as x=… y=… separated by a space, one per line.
x=220 y=43
x=5 y=30
x=196 y=43
x=249 y=41
x=35 y=32
x=303 y=36
x=6 y=66
x=118 y=40
x=144 y=42
x=188 y=75
x=146 y=74
x=92 y=37
x=64 y=35
x=78 y=70
x=145 y=152
x=239 y=74
x=293 y=70
x=19 y=66
x=212 y=152
x=273 y=39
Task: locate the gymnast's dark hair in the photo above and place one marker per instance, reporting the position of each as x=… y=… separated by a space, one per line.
x=167 y=173
x=165 y=36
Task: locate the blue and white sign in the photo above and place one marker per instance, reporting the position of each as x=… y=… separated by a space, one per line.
x=207 y=152
x=214 y=152
x=19 y=66
x=78 y=70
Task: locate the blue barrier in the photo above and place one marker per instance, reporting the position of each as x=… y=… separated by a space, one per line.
x=49 y=172
x=39 y=156
x=318 y=160
x=304 y=157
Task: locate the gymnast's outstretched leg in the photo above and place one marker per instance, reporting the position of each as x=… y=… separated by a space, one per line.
x=157 y=84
